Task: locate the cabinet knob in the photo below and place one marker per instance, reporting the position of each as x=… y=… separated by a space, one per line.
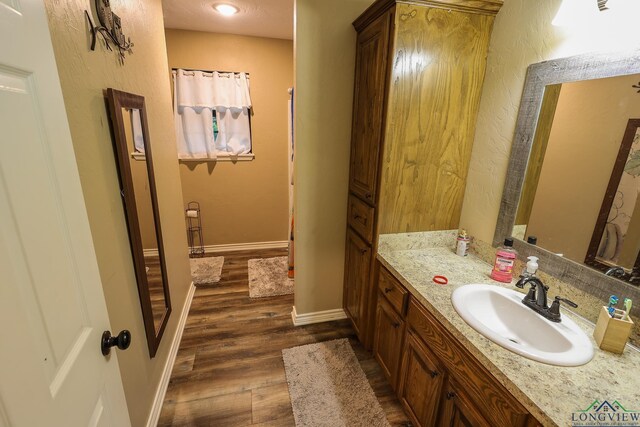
x=363 y=251
x=396 y=325
x=450 y=395
x=387 y=290
x=367 y=195
x=356 y=216
x=434 y=374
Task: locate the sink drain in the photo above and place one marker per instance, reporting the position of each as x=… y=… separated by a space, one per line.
x=514 y=340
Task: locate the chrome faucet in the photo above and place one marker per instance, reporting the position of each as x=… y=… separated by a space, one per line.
x=615 y=271
x=536 y=298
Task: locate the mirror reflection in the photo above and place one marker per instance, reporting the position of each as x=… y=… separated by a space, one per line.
x=580 y=195
x=144 y=208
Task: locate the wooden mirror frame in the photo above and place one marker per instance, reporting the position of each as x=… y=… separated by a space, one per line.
x=117 y=100
x=539 y=76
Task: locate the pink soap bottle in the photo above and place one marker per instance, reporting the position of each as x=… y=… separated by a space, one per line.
x=505 y=259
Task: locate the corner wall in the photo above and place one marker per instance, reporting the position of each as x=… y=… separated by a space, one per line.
x=324 y=70
x=523 y=34
x=84 y=75
x=244 y=202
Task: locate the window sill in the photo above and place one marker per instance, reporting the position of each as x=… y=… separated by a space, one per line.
x=222 y=158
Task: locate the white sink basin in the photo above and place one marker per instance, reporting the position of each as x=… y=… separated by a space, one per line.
x=498 y=314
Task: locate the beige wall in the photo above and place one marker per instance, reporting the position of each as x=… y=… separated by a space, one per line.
x=84 y=76
x=523 y=34
x=588 y=127
x=324 y=69
x=246 y=201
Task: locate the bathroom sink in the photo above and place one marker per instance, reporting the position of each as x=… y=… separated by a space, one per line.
x=498 y=314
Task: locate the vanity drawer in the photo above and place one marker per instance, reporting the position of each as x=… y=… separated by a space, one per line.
x=393 y=291
x=498 y=405
x=360 y=217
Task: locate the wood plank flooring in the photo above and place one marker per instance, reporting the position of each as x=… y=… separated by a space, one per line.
x=229 y=369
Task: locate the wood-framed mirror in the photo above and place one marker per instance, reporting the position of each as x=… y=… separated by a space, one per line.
x=572 y=119
x=137 y=185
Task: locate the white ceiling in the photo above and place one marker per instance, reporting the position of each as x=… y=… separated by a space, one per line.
x=261 y=18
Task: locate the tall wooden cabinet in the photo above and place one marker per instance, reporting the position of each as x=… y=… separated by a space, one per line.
x=420 y=65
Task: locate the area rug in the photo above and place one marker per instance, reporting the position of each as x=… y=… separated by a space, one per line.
x=268 y=277
x=206 y=270
x=328 y=387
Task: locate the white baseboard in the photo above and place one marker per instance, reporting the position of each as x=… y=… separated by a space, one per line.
x=317 y=316
x=212 y=249
x=161 y=391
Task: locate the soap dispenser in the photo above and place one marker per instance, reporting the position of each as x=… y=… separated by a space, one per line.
x=532 y=267
x=530 y=271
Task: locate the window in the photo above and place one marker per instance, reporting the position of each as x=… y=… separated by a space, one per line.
x=212 y=113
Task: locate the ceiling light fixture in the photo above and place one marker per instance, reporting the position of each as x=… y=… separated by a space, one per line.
x=226 y=9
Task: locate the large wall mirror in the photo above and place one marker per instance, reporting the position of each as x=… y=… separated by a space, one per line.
x=135 y=167
x=574 y=173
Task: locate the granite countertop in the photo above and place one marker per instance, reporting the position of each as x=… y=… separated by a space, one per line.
x=551 y=393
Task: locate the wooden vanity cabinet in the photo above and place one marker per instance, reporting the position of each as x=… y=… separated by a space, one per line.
x=388 y=339
x=439 y=382
x=358 y=262
x=458 y=410
x=419 y=70
x=421 y=381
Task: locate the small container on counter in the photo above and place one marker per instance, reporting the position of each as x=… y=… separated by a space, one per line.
x=505 y=260
x=462 y=243
x=611 y=334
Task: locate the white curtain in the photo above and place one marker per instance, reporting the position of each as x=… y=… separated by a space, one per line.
x=197 y=98
x=136 y=129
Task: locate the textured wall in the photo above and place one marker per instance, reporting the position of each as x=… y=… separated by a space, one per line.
x=246 y=201
x=523 y=34
x=324 y=68
x=84 y=75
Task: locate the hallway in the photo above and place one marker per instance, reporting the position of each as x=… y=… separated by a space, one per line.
x=229 y=369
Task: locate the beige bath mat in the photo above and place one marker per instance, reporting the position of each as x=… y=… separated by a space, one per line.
x=328 y=387
x=206 y=270
x=268 y=277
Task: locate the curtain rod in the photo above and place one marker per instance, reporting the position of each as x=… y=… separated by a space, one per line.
x=208 y=71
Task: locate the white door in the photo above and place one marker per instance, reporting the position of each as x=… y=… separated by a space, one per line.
x=52 y=309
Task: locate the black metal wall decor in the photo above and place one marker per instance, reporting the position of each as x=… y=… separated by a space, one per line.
x=110 y=29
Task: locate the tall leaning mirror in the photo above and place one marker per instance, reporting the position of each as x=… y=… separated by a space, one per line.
x=574 y=173
x=138 y=190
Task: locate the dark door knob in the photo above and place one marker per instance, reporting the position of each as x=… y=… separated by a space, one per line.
x=123 y=340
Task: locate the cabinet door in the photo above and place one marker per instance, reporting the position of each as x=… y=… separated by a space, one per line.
x=368 y=107
x=458 y=410
x=388 y=339
x=421 y=381
x=356 y=281
x=497 y=404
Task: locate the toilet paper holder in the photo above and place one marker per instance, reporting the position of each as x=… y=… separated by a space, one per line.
x=194 y=229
